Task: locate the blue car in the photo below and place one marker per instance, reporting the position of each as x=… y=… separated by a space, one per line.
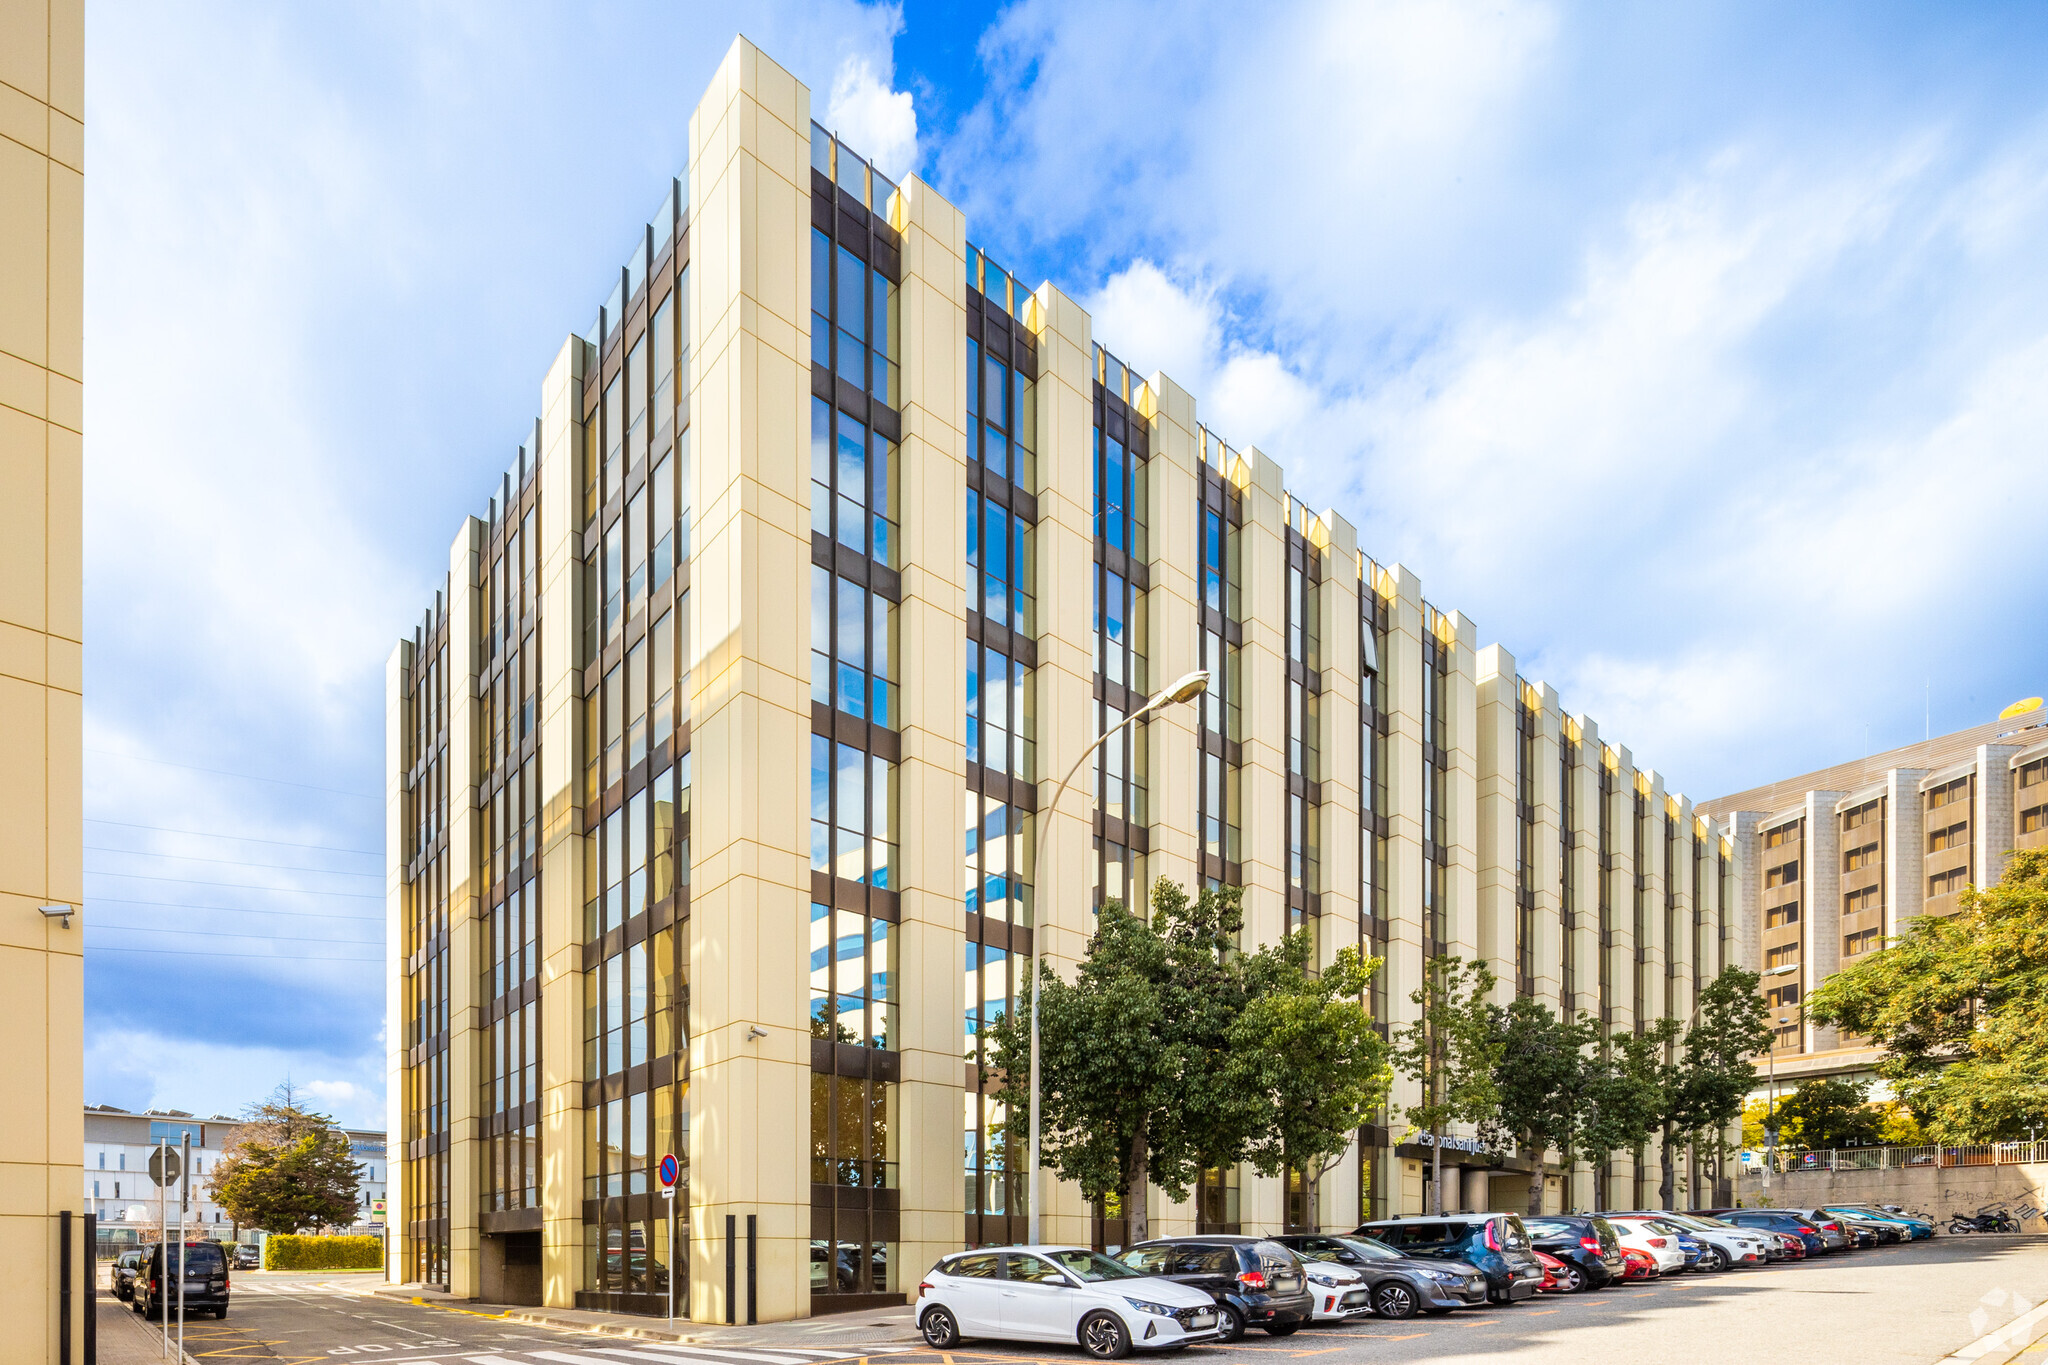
x=1910 y=1228
x=1694 y=1249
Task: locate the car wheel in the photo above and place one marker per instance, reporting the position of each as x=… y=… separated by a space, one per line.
x=1103 y=1336
x=1394 y=1300
x=1717 y=1259
x=221 y=1312
x=940 y=1331
x=1282 y=1329
x=1229 y=1323
x=1574 y=1279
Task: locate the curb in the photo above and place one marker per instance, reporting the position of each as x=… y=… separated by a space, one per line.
x=2005 y=1344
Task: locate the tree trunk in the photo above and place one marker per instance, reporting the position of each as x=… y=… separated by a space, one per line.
x=1669 y=1177
x=1535 y=1179
x=1436 y=1172
x=1137 y=1222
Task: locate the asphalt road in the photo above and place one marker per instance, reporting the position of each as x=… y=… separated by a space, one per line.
x=1910 y=1304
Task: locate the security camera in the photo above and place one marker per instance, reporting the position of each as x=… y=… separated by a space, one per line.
x=63 y=912
x=755 y=1031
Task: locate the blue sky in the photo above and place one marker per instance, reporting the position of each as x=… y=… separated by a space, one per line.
x=1696 y=353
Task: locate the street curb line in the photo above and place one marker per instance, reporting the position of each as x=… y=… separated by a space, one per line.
x=1996 y=1348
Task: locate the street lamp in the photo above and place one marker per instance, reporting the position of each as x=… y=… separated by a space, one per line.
x=1771 y=1110
x=1187 y=689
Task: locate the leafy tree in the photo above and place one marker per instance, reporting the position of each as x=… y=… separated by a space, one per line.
x=1705 y=1082
x=1625 y=1095
x=1959 y=1003
x=1756 y=1117
x=1832 y=1113
x=1898 y=1127
x=1543 y=1082
x=287 y=1170
x=1305 y=1050
x=1133 y=1053
x=1450 y=1049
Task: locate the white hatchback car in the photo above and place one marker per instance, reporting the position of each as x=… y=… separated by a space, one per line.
x=1643 y=1234
x=1056 y=1293
x=1340 y=1292
x=1730 y=1245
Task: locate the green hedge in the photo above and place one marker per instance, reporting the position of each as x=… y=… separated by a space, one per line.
x=291 y=1252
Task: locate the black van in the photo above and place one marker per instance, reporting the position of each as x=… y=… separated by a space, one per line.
x=1587 y=1245
x=206 y=1280
x=1255 y=1282
x=1497 y=1243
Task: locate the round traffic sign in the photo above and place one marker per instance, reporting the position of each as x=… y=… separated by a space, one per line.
x=668 y=1170
x=164 y=1165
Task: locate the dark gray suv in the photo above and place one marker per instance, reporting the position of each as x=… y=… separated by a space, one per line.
x=1255 y=1281
x=1497 y=1243
x=1401 y=1286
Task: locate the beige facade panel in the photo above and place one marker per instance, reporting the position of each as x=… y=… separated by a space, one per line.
x=42 y=240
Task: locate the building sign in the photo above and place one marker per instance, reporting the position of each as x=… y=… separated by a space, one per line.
x=1452 y=1144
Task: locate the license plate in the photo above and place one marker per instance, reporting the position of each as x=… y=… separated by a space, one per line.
x=1202 y=1320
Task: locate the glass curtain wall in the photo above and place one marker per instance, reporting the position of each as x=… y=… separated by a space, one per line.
x=1000 y=798
x=509 y=808
x=856 y=674
x=636 y=780
x=425 y=986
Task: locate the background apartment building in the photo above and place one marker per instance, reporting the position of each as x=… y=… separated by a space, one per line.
x=42 y=306
x=716 y=767
x=1837 y=861
x=118 y=1147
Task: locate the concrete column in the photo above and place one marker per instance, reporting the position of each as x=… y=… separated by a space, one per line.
x=1401 y=669
x=1461 y=788
x=1497 y=827
x=1993 y=824
x=1063 y=912
x=1339 y=926
x=932 y=773
x=750 y=679
x=467 y=885
x=563 y=847
x=1905 y=848
x=1173 y=506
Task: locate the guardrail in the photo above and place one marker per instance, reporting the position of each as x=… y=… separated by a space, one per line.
x=1896 y=1158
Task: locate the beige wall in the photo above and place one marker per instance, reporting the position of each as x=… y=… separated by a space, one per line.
x=42 y=188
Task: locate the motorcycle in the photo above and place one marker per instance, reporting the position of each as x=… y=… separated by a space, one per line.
x=1990 y=1218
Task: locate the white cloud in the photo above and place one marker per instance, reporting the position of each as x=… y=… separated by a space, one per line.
x=138 y=1069
x=874 y=120
x=1682 y=490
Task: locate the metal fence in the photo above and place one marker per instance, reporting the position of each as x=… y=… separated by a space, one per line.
x=1786 y=1162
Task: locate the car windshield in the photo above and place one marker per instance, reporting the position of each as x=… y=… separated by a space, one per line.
x=1093 y=1265
x=1365 y=1246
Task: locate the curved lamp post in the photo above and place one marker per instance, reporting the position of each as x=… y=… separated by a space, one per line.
x=1186 y=690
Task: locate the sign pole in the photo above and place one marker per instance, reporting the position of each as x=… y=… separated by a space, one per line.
x=184 y=1203
x=667 y=1172
x=163 y=1245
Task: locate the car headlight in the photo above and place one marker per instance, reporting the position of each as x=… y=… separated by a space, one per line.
x=1144 y=1306
x=1447 y=1276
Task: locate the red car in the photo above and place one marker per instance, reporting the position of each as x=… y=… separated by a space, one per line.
x=1794 y=1247
x=1641 y=1265
x=1553 y=1273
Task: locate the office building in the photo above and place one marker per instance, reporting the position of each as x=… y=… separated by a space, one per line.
x=717 y=763
x=1837 y=861
x=42 y=307
x=119 y=1144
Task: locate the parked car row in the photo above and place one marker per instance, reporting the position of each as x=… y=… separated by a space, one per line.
x=1173 y=1292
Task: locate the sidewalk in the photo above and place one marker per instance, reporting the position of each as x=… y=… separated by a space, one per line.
x=123 y=1338
x=876 y=1327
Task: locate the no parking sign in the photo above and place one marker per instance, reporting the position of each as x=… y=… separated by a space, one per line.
x=668 y=1175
